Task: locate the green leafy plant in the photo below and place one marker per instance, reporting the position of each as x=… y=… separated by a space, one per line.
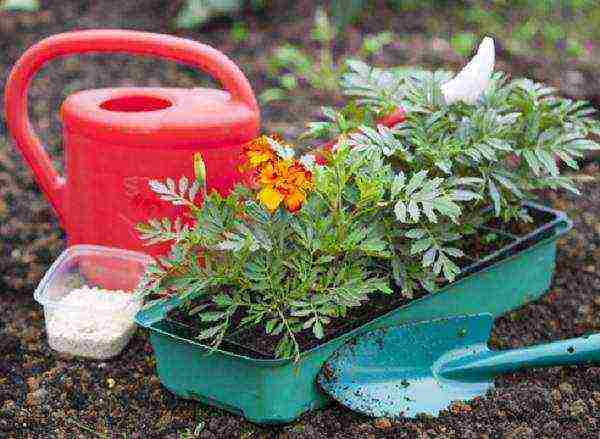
x=494 y=154
x=197 y=12
x=291 y=65
x=239 y=32
x=289 y=272
x=385 y=212
x=20 y=5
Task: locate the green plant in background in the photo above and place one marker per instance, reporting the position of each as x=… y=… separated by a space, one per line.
x=197 y=12
x=463 y=43
x=558 y=28
x=489 y=238
x=238 y=32
x=291 y=65
x=20 y=5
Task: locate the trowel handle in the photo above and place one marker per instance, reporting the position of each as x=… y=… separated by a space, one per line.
x=573 y=351
x=169 y=47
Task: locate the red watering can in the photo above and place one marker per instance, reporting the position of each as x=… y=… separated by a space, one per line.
x=117 y=139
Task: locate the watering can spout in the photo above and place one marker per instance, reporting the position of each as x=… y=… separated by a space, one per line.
x=117 y=140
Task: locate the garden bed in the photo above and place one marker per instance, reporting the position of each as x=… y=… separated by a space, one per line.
x=44 y=395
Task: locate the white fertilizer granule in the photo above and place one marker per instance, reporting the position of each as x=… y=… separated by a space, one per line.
x=91 y=322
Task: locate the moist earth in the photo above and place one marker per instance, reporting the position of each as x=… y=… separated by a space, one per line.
x=45 y=395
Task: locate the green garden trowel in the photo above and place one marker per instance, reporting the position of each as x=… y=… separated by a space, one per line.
x=423 y=367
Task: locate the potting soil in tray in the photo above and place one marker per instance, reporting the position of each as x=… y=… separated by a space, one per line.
x=492 y=242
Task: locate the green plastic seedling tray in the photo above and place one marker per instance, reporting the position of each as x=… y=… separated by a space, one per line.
x=267 y=391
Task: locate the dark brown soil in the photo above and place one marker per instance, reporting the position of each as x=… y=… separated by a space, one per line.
x=43 y=395
x=520 y=228
x=481 y=245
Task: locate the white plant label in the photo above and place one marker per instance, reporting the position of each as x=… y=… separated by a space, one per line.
x=474 y=78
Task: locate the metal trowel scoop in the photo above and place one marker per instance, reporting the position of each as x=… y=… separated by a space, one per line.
x=423 y=367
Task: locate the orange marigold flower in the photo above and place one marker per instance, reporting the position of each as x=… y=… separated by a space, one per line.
x=300 y=176
x=258 y=151
x=294 y=200
x=268 y=174
x=270 y=197
x=284 y=181
x=281 y=180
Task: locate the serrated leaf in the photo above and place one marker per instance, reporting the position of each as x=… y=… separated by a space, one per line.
x=468 y=181
x=413 y=210
x=415 y=233
x=495 y=195
x=398 y=184
x=532 y=161
x=209 y=333
x=302 y=312
x=501 y=145
x=452 y=251
x=400 y=211
x=437 y=266
x=508 y=184
x=548 y=161
x=464 y=195
x=428 y=210
x=447 y=207
x=270 y=325
x=429 y=257
x=450 y=269
x=420 y=246
x=486 y=151
x=444 y=166
x=212 y=316
x=278 y=329
x=318 y=329
x=415 y=182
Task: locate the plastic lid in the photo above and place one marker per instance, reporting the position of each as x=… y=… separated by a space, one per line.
x=105 y=267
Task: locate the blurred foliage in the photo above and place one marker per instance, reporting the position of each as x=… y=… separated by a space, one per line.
x=344 y=12
x=554 y=28
x=291 y=65
x=463 y=42
x=20 y=5
x=239 y=32
x=197 y=12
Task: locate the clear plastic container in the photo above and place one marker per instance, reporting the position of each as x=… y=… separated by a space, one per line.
x=88 y=301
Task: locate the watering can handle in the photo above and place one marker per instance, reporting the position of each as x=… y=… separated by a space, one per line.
x=169 y=47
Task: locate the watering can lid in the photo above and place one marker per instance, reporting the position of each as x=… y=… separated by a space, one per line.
x=160 y=117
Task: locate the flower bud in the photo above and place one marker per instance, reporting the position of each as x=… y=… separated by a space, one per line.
x=199 y=169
